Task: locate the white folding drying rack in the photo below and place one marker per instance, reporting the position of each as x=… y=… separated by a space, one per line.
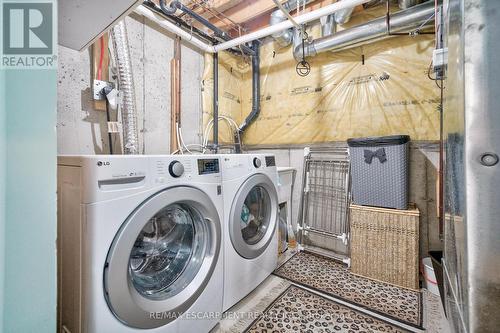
x=323 y=224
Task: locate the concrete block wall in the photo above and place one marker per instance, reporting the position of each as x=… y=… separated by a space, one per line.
x=82 y=130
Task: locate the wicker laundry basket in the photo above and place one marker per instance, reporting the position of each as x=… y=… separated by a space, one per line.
x=384 y=244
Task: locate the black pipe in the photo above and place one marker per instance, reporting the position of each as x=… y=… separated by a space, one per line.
x=170 y=10
x=108 y=119
x=255 y=92
x=174 y=5
x=174 y=19
x=255 y=88
x=216 y=102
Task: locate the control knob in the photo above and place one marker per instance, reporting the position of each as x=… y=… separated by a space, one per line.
x=176 y=169
x=257 y=162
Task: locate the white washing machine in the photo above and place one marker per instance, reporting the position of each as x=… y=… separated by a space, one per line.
x=139 y=243
x=249 y=186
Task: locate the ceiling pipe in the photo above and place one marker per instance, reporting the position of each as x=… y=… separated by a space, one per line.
x=343 y=16
x=404 y=20
x=304 y=18
x=405 y=4
x=167 y=25
x=219 y=33
x=285 y=37
x=179 y=22
x=328 y=25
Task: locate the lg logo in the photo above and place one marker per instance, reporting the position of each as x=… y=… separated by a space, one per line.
x=101 y=163
x=27 y=28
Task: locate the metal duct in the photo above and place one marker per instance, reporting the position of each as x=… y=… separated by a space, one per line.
x=328 y=25
x=405 y=4
x=126 y=85
x=284 y=38
x=404 y=20
x=343 y=16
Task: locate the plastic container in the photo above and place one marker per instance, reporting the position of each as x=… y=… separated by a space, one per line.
x=429 y=276
x=379 y=171
x=292 y=241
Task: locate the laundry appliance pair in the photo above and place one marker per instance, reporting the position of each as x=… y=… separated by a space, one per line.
x=162 y=243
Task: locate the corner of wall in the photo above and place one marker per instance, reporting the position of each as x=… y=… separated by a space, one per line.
x=2 y=193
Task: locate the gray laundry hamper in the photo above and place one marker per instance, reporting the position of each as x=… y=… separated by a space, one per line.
x=379 y=171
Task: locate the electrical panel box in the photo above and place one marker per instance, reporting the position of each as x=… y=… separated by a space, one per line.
x=439 y=61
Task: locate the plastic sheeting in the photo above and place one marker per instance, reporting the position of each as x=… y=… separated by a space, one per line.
x=376 y=89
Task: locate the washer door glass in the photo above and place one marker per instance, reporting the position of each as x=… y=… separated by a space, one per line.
x=168 y=251
x=162 y=257
x=255 y=215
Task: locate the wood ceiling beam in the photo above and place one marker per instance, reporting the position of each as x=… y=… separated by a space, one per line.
x=262 y=21
x=245 y=11
x=255 y=14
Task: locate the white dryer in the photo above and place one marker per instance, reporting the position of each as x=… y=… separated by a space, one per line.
x=249 y=186
x=139 y=243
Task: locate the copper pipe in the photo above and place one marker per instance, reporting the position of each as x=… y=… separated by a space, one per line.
x=175 y=92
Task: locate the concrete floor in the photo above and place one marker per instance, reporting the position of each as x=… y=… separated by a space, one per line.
x=242 y=315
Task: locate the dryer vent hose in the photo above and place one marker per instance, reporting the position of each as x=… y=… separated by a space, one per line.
x=126 y=87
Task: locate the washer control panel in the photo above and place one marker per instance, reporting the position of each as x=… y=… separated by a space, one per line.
x=208 y=166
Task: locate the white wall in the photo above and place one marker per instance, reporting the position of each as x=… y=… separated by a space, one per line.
x=29 y=286
x=82 y=130
x=3 y=155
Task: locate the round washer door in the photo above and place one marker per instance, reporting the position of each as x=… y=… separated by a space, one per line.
x=162 y=257
x=253 y=216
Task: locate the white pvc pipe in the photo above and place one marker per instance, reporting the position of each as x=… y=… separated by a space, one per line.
x=308 y=17
x=188 y=37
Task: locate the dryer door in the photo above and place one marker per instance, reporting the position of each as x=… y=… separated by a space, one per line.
x=253 y=216
x=162 y=257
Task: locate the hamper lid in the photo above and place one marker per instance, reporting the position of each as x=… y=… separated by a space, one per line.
x=375 y=141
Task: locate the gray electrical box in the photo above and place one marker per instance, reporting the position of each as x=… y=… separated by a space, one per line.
x=81 y=22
